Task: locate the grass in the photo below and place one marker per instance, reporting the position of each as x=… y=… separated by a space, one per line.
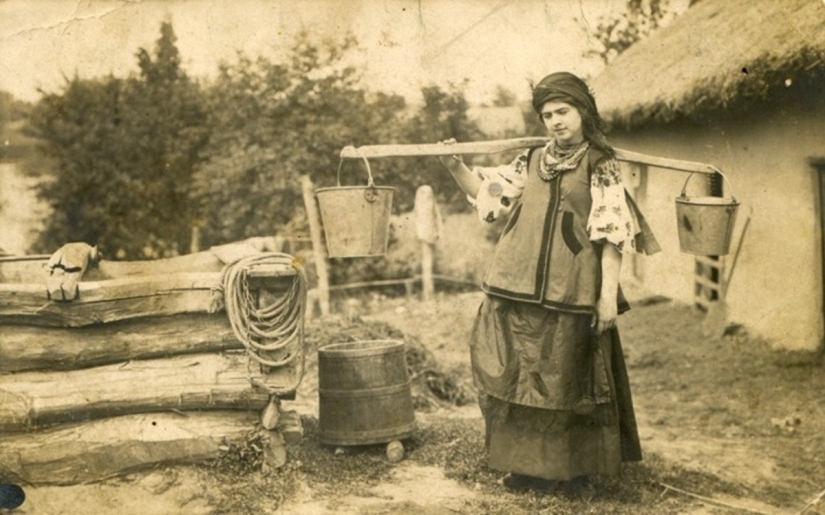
x=688 y=402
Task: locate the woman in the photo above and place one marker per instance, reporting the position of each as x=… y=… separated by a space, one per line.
x=545 y=350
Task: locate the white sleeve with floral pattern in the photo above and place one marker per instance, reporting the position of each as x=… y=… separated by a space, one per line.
x=610 y=217
x=501 y=188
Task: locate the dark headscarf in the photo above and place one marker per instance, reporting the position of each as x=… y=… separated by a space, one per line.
x=566 y=87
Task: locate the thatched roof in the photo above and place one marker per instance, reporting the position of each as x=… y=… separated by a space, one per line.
x=718 y=54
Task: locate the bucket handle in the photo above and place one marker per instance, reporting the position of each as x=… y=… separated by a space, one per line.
x=732 y=196
x=371 y=193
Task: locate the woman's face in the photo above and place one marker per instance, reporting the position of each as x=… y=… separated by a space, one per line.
x=563 y=122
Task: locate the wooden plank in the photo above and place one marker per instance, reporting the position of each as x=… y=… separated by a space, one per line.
x=368 y=284
x=438 y=149
x=665 y=162
x=708 y=261
x=196 y=382
x=454 y=280
x=37 y=348
x=497 y=146
x=271 y=271
x=106 y=448
x=707 y=283
x=111 y=300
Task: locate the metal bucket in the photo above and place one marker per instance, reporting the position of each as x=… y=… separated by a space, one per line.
x=356 y=218
x=364 y=393
x=705 y=224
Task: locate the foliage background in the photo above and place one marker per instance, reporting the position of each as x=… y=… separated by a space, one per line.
x=141 y=161
x=144 y=165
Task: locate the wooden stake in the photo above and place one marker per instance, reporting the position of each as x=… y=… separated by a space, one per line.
x=427 y=225
x=195 y=242
x=271 y=414
x=427 y=284
x=317 y=244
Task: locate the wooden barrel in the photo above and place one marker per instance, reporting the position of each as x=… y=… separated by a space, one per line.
x=364 y=393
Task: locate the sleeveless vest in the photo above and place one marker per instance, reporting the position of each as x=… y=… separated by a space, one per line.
x=544 y=255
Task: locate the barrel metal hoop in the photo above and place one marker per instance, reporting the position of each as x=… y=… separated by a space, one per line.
x=371 y=392
x=367 y=437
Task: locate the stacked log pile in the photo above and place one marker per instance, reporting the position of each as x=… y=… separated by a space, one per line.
x=141 y=368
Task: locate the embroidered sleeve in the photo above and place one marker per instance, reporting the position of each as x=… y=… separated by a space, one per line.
x=610 y=217
x=501 y=188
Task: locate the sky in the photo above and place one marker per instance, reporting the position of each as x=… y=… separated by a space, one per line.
x=405 y=44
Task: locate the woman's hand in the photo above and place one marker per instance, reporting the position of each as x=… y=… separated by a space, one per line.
x=466 y=180
x=606 y=314
x=607 y=306
x=451 y=162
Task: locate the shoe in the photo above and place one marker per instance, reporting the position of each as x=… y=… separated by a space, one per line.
x=522 y=483
x=581 y=487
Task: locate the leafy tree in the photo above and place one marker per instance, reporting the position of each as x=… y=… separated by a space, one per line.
x=171 y=123
x=11 y=109
x=443 y=115
x=125 y=152
x=278 y=121
x=639 y=19
x=13 y=112
x=504 y=97
x=137 y=166
x=90 y=194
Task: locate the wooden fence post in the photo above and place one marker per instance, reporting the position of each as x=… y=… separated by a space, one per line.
x=195 y=241
x=317 y=244
x=427 y=224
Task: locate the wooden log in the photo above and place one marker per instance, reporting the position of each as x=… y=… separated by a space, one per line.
x=106 y=448
x=23 y=269
x=25 y=348
x=30 y=269
x=199 y=262
x=110 y=300
x=196 y=382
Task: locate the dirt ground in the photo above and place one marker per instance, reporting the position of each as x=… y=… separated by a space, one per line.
x=727 y=426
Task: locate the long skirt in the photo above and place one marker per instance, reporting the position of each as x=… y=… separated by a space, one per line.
x=554 y=395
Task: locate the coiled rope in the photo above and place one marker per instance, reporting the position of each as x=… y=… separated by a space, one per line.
x=276 y=327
